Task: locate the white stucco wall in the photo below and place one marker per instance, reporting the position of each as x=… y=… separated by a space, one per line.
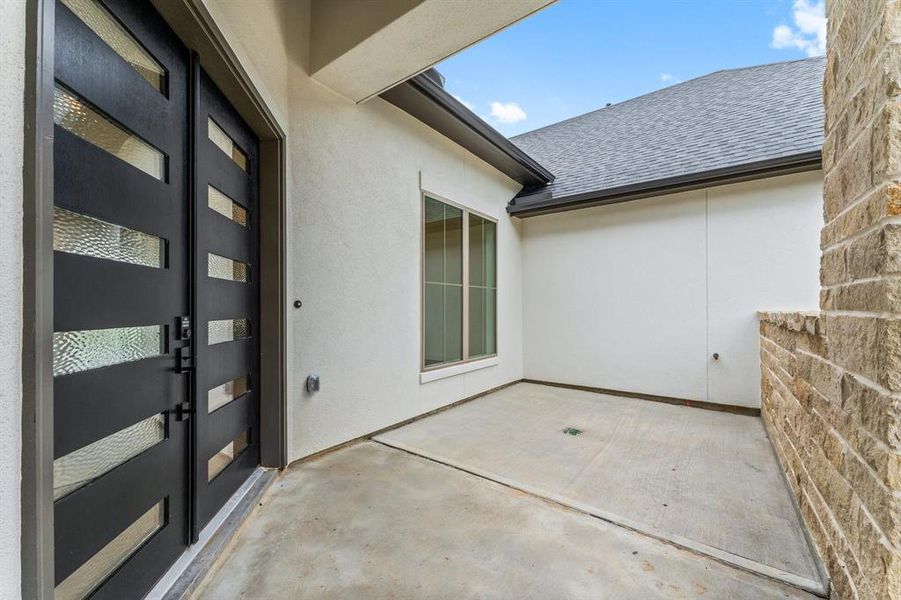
x=355 y=174
x=12 y=63
x=637 y=296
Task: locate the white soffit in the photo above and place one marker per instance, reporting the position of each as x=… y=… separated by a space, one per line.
x=360 y=48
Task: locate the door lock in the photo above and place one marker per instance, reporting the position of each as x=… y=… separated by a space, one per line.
x=183 y=411
x=184 y=328
x=184 y=360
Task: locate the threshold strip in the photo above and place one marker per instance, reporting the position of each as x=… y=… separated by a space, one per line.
x=698 y=548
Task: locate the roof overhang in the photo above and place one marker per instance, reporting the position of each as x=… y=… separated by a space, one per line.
x=426 y=100
x=360 y=48
x=541 y=202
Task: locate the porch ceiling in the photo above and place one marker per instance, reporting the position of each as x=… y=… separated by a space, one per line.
x=360 y=48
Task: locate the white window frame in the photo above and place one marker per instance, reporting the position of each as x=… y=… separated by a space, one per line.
x=490 y=359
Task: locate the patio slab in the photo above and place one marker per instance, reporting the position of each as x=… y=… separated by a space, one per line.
x=704 y=480
x=370 y=521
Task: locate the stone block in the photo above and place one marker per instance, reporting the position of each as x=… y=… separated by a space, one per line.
x=886 y=144
x=852 y=343
x=880 y=295
x=825 y=377
x=877 y=412
x=850 y=178
x=876 y=253
x=882 y=506
x=868 y=345
x=879 y=204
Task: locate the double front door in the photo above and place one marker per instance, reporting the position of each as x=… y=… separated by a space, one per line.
x=155 y=354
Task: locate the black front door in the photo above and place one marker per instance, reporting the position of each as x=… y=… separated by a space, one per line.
x=226 y=183
x=155 y=299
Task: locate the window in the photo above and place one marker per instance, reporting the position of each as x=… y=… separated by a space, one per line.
x=459 y=285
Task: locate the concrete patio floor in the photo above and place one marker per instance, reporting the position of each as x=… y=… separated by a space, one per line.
x=492 y=499
x=705 y=480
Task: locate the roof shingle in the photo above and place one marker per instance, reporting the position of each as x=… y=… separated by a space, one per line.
x=724 y=119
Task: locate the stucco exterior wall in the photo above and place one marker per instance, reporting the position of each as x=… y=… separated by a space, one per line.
x=12 y=64
x=638 y=296
x=355 y=175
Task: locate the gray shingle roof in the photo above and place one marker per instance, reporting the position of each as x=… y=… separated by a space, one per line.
x=724 y=119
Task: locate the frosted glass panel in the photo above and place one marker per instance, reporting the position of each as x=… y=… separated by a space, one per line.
x=224 y=457
x=226 y=144
x=227 y=330
x=75 y=351
x=227 y=268
x=91 y=574
x=108 y=29
x=225 y=206
x=79 y=234
x=221 y=395
x=82 y=466
x=75 y=116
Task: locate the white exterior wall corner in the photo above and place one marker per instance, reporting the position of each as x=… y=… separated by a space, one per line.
x=353 y=219
x=12 y=95
x=638 y=296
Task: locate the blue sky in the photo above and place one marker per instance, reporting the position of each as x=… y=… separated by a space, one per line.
x=577 y=55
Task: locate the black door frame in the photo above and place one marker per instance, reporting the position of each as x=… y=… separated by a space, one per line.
x=196 y=27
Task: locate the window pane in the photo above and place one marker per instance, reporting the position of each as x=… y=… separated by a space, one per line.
x=226 y=268
x=218 y=136
x=476 y=251
x=108 y=29
x=79 y=234
x=225 y=206
x=434 y=240
x=75 y=351
x=82 y=466
x=482 y=241
x=91 y=574
x=221 y=395
x=490 y=236
x=75 y=116
x=227 y=455
x=434 y=324
x=443 y=278
x=491 y=322
x=227 y=330
x=453 y=245
x=476 y=322
x=453 y=323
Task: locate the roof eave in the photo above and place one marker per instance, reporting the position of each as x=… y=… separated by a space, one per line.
x=427 y=101
x=542 y=202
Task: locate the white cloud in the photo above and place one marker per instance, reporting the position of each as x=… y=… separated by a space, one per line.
x=468 y=105
x=668 y=78
x=809 y=32
x=507 y=112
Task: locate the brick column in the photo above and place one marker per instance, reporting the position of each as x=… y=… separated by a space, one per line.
x=831 y=383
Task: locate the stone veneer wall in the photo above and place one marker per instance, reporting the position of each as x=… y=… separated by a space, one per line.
x=831 y=381
x=834 y=436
